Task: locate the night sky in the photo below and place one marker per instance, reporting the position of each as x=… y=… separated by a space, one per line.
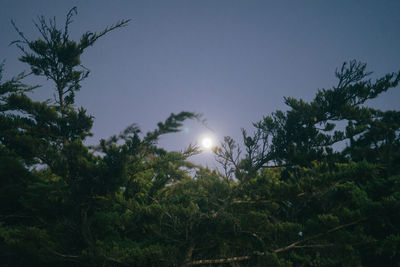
x=232 y=61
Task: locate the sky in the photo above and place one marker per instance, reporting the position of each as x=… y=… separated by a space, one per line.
x=231 y=61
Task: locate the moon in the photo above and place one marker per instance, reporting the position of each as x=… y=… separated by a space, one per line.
x=207 y=143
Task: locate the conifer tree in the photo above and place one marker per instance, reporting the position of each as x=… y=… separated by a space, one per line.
x=286 y=197
x=58 y=58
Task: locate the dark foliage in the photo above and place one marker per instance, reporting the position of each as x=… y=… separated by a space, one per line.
x=285 y=197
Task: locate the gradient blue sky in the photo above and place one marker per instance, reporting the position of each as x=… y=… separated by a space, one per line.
x=233 y=61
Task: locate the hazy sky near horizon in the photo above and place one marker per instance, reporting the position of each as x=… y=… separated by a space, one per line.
x=232 y=61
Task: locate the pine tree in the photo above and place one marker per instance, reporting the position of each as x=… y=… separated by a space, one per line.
x=313 y=205
x=286 y=197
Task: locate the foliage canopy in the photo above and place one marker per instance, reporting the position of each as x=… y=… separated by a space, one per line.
x=284 y=197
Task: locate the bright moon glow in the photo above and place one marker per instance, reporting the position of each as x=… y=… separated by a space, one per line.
x=206 y=143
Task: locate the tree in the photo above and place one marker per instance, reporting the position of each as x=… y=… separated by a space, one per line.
x=57 y=58
x=57 y=187
x=329 y=207
x=288 y=198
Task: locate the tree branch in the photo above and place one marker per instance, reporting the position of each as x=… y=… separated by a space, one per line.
x=294 y=245
x=291 y=246
x=219 y=261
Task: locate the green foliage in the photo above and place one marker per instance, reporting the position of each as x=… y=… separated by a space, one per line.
x=56 y=57
x=285 y=197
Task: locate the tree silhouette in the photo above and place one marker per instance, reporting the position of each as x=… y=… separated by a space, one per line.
x=286 y=197
x=57 y=58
